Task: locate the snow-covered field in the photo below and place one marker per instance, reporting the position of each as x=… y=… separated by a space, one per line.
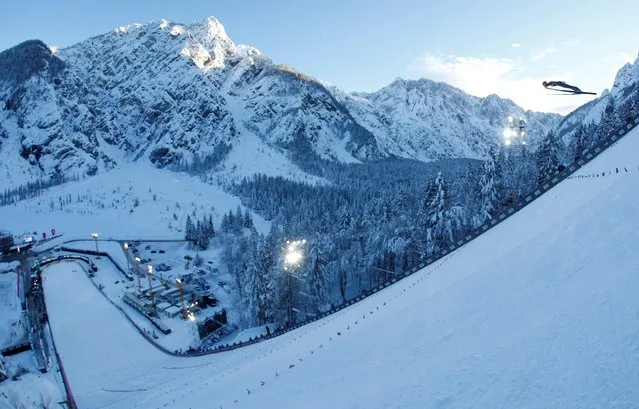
x=135 y=201
x=541 y=311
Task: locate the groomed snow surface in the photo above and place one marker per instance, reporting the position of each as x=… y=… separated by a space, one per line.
x=134 y=201
x=540 y=312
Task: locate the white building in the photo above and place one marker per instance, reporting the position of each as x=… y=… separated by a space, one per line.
x=163 y=306
x=173 y=311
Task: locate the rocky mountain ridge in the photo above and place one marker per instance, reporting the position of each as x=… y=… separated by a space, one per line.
x=169 y=93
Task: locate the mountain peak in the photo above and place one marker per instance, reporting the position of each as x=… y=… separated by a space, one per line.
x=207 y=42
x=209 y=29
x=26 y=59
x=626 y=76
x=127 y=29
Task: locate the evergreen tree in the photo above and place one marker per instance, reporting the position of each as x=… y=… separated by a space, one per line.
x=469 y=188
x=248 y=220
x=224 y=225
x=488 y=194
x=210 y=227
x=435 y=232
x=201 y=235
x=271 y=264
x=236 y=255
x=527 y=172
x=579 y=142
x=499 y=157
x=257 y=285
x=455 y=217
x=610 y=121
x=548 y=159
x=189 y=229
x=628 y=110
x=230 y=218
x=239 y=220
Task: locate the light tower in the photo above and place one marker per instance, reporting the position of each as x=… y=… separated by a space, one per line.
x=137 y=270
x=126 y=255
x=293 y=257
x=185 y=315
x=149 y=273
x=514 y=132
x=95 y=237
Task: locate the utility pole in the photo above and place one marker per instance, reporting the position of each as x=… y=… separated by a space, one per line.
x=139 y=273
x=95 y=237
x=179 y=284
x=126 y=255
x=149 y=273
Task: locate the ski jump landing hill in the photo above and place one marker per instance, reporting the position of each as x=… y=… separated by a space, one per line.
x=538 y=312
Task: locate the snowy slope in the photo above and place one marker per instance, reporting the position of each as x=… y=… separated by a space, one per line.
x=134 y=201
x=541 y=311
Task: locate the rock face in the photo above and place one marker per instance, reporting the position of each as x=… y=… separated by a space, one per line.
x=612 y=106
x=169 y=93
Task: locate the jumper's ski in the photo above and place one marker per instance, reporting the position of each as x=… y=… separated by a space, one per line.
x=561 y=86
x=569 y=94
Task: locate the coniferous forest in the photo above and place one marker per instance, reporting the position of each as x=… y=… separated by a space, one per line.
x=376 y=219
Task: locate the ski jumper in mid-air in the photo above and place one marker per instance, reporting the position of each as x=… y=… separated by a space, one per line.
x=563 y=87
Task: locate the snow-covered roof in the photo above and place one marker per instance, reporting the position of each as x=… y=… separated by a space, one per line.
x=173 y=309
x=169 y=291
x=164 y=305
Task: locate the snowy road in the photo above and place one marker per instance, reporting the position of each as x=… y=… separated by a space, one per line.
x=541 y=311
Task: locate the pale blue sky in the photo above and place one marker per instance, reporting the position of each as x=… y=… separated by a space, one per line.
x=495 y=46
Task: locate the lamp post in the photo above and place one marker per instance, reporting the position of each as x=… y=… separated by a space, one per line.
x=149 y=273
x=138 y=273
x=293 y=257
x=126 y=255
x=179 y=284
x=95 y=237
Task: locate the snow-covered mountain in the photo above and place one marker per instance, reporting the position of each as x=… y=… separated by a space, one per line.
x=167 y=92
x=428 y=120
x=620 y=101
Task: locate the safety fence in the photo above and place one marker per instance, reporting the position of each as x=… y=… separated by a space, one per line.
x=617 y=170
x=553 y=180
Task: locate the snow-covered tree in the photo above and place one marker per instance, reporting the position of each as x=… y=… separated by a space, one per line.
x=499 y=157
x=248 y=220
x=189 y=229
x=455 y=217
x=610 y=121
x=436 y=222
x=318 y=283
x=488 y=194
x=580 y=143
x=277 y=300
x=548 y=158
x=629 y=110
x=257 y=290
